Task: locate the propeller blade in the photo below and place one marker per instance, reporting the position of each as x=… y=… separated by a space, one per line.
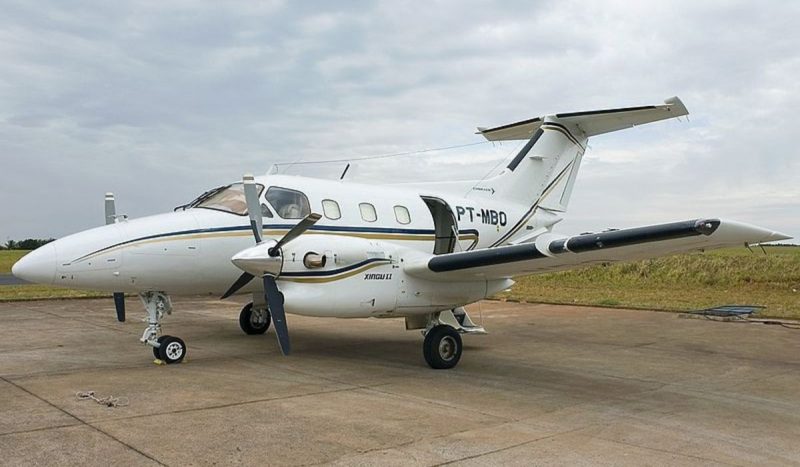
x=119 y=304
x=295 y=232
x=253 y=205
x=111 y=209
x=111 y=214
x=275 y=303
x=243 y=280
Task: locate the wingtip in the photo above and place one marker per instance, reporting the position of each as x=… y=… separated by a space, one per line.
x=676 y=105
x=778 y=236
x=754 y=235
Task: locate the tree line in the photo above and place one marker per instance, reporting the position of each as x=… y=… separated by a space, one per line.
x=27 y=244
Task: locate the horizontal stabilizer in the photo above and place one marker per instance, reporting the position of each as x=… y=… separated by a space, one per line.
x=591 y=122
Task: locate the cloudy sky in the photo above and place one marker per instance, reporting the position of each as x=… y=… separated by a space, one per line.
x=159 y=101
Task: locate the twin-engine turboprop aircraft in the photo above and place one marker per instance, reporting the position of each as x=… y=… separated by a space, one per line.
x=419 y=251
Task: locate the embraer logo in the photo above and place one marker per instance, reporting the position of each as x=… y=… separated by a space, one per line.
x=480 y=188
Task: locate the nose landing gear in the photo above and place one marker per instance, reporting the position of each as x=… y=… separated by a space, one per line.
x=168 y=349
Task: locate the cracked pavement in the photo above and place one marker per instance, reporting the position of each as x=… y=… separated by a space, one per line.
x=549 y=385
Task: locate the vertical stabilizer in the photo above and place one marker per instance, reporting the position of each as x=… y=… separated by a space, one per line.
x=544 y=171
x=543 y=174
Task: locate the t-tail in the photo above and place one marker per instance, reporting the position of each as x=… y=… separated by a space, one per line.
x=543 y=173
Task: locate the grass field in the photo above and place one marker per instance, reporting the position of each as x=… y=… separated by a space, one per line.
x=679 y=283
x=34 y=291
x=8 y=258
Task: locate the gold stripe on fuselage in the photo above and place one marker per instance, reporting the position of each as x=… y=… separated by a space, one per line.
x=319 y=280
x=247 y=233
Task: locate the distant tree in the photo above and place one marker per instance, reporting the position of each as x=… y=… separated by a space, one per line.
x=32 y=243
x=27 y=244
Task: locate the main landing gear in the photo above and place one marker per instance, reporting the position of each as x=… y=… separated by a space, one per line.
x=168 y=349
x=442 y=346
x=254 y=320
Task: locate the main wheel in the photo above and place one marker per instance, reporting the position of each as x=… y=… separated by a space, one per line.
x=172 y=349
x=442 y=347
x=254 y=322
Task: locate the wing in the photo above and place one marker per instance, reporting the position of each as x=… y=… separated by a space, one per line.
x=592 y=122
x=551 y=252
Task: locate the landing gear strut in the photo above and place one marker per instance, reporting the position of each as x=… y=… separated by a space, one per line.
x=169 y=349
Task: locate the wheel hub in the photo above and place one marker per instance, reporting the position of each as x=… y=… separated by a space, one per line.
x=174 y=350
x=447 y=348
x=258 y=318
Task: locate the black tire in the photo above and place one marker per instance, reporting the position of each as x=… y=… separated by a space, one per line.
x=155 y=349
x=248 y=325
x=172 y=349
x=442 y=347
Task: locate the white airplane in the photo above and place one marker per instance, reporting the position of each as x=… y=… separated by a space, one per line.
x=332 y=248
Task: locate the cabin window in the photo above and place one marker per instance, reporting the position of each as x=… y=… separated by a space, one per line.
x=368 y=212
x=226 y=199
x=289 y=204
x=402 y=215
x=331 y=209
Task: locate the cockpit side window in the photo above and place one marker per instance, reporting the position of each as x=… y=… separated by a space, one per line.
x=289 y=204
x=227 y=199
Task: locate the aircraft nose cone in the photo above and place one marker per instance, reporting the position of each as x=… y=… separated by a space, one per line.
x=38 y=266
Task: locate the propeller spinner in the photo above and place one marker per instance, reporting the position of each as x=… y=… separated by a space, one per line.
x=265 y=260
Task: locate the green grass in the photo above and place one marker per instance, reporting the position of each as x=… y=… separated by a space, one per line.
x=8 y=258
x=15 y=293
x=9 y=293
x=678 y=283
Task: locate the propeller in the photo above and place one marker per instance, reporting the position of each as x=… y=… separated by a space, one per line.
x=119 y=297
x=265 y=260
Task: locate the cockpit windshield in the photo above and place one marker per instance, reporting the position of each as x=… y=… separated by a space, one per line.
x=227 y=199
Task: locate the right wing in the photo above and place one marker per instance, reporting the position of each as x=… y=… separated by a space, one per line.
x=552 y=252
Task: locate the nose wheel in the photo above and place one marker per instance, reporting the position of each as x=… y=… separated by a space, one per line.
x=172 y=349
x=168 y=349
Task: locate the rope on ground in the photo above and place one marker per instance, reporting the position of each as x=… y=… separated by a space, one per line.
x=109 y=401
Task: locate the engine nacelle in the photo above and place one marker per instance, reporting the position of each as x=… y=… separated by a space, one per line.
x=361 y=277
x=357 y=277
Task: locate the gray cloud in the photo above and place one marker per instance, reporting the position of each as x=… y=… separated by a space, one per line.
x=158 y=101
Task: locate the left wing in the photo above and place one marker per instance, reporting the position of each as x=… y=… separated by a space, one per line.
x=552 y=252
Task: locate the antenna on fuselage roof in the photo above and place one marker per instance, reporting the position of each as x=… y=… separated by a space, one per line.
x=345 y=171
